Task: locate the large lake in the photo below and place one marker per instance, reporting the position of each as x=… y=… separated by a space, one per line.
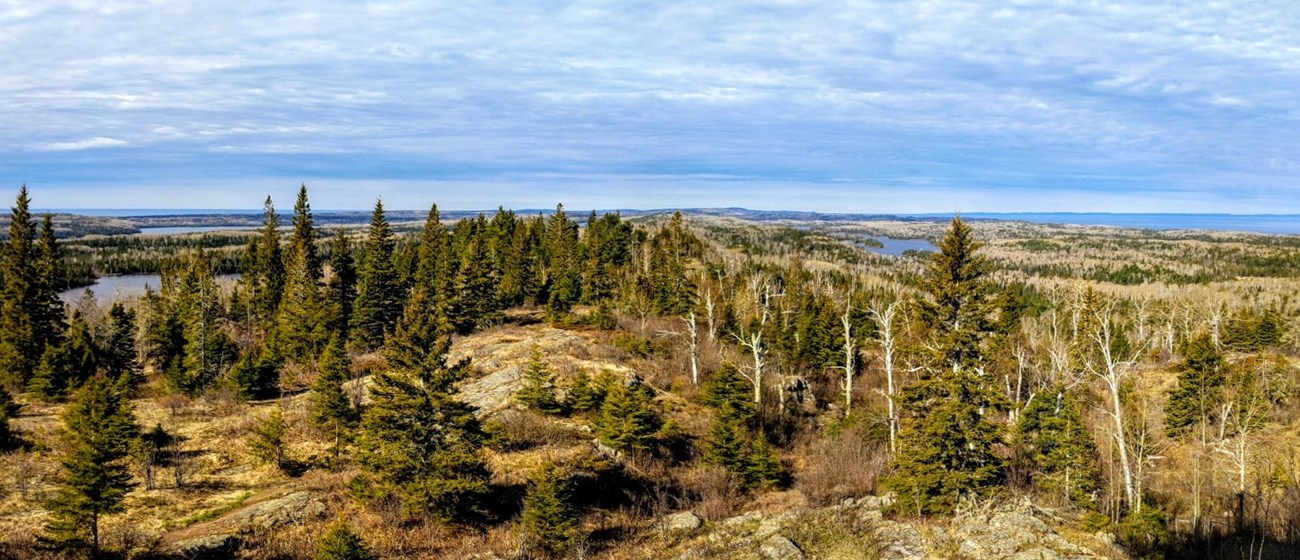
x=113 y=288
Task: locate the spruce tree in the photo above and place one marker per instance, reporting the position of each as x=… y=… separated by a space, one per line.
x=341 y=289
x=47 y=308
x=424 y=318
x=267 y=275
x=550 y=521
x=420 y=446
x=208 y=350
x=301 y=322
x=99 y=428
x=1200 y=387
x=734 y=442
x=586 y=394
x=476 y=284
x=1059 y=447
x=68 y=364
x=564 y=286
x=945 y=446
x=19 y=347
x=256 y=375
x=120 y=356
x=332 y=409
x=7 y=410
x=538 y=389
x=266 y=440
x=379 y=298
x=340 y=543
x=627 y=420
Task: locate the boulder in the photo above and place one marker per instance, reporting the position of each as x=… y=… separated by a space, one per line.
x=777 y=547
x=681 y=522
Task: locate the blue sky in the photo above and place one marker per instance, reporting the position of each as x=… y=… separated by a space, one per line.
x=863 y=106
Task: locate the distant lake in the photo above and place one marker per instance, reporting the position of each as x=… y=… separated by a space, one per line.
x=176 y=230
x=1288 y=224
x=113 y=288
x=896 y=247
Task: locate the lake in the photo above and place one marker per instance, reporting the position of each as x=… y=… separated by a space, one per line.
x=177 y=230
x=114 y=288
x=896 y=247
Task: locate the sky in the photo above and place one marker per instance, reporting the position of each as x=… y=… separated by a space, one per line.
x=844 y=106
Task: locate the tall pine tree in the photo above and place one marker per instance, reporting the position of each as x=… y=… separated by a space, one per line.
x=19 y=347
x=945 y=448
x=302 y=329
x=379 y=296
x=267 y=276
x=341 y=289
x=332 y=409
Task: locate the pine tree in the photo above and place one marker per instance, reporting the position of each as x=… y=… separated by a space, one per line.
x=476 y=301
x=99 y=431
x=586 y=394
x=267 y=275
x=68 y=364
x=341 y=290
x=266 y=440
x=733 y=442
x=120 y=356
x=424 y=319
x=538 y=389
x=7 y=410
x=946 y=443
x=19 y=347
x=419 y=445
x=47 y=308
x=670 y=248
x=257 y=373
x=730 y=394
x=301 y=320
x=1059 y=447
x=340 y=543
x=208 y=349
x=564 y=285
x=332 y=409
x=627 y=419
x=1200 y=387
x=379 y=298
x=550 y=521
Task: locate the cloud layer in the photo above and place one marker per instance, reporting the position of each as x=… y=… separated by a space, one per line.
x=838 y=106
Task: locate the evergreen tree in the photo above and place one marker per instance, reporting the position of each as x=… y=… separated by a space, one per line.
x=68 y=364
x=670 y=248
x=99 y=431
x=550 y=521
x=419 y=445
x=1060 y=450
x=424 y=319
x=733 y=442
x=1200 y=387
x=120 y=356
x=19 y=347
x=267 y=274
x=7 y=410
x=257 y=373
x=208 y=349
x=341 y=290
x=340 y=543
x=586 y=394
x=51 y=278
x=627 y=419
x=564 y=286
x=538 y=389
x=266 y=441
x=332 y=409
x=946 y=442
x=730 y=394
x=476 y=284
x=379 y=297
x=301 y=322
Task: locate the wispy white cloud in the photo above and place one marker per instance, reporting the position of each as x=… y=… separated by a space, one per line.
x=1183 y=103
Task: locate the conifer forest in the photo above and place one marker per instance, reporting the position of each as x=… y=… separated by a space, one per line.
x=645 y=385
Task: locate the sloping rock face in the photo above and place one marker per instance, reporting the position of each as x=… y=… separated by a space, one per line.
x=1015 y=531
x=221 y=537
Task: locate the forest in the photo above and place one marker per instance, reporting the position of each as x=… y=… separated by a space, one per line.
x=681 y=384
